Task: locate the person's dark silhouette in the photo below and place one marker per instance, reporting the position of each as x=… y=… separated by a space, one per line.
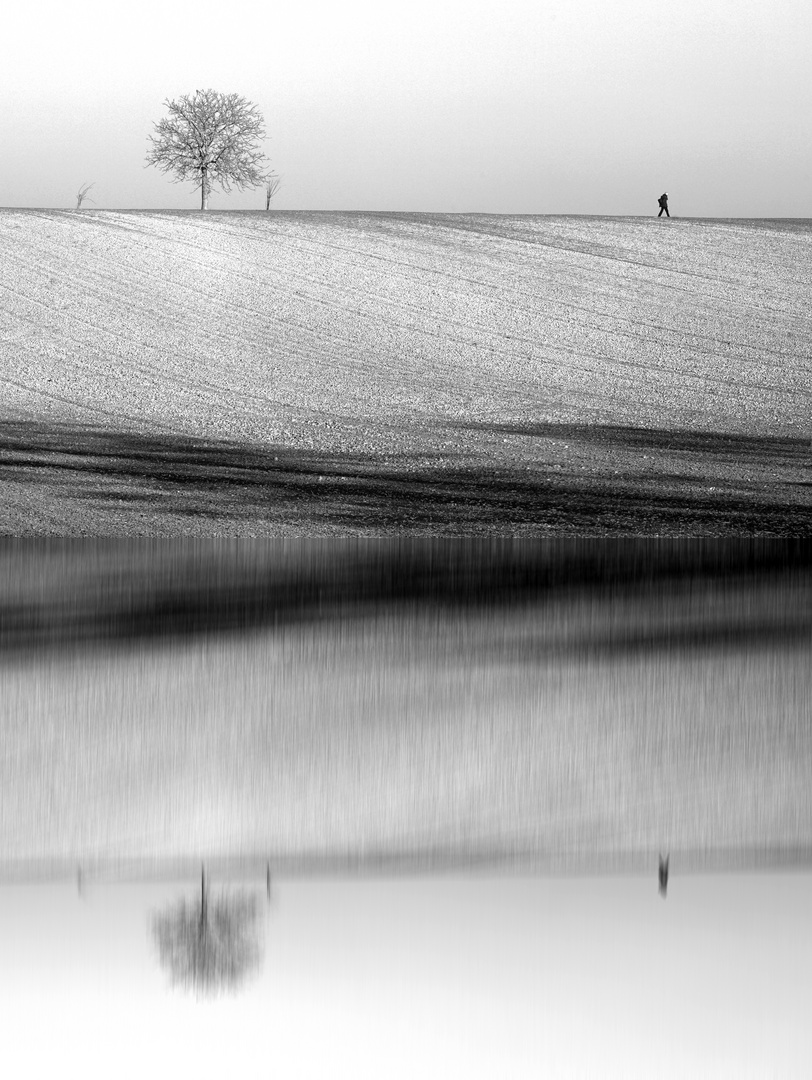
x=663 y=201
x=663 y=875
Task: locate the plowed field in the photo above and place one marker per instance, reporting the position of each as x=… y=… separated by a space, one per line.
x=320 y=373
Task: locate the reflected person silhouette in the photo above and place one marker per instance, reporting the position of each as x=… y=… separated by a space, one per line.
x=210 y=946
x=663 y=875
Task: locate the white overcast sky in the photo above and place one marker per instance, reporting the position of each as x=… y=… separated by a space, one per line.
x=523 y=106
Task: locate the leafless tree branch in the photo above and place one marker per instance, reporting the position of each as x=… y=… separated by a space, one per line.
x=272 y=182
x=82 y=195
x=210 y=138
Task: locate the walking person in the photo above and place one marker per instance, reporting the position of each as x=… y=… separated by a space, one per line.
x=663 y=201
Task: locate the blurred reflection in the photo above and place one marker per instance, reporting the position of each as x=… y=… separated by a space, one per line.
x=83 y=595
x=663 y=875
x=210 y=946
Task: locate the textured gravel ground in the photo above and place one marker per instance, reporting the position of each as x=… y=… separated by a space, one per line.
x=326 y=373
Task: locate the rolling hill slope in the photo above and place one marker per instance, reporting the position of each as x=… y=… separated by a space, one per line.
x=352 y=372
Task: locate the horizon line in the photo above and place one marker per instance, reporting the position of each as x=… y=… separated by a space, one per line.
x=428 y=213
x=379 y=864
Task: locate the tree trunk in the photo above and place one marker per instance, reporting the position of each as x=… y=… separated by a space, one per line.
x=204 y=190
x=203 y=906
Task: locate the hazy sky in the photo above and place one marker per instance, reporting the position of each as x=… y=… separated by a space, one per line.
x=452 y=978
x=528 y=106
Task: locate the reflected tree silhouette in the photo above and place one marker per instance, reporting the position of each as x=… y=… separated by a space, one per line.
x=212 y=945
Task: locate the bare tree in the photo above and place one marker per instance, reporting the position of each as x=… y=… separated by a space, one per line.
x=210 y=138
x=81 y=195
x=209 y=947
x=272 y=183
